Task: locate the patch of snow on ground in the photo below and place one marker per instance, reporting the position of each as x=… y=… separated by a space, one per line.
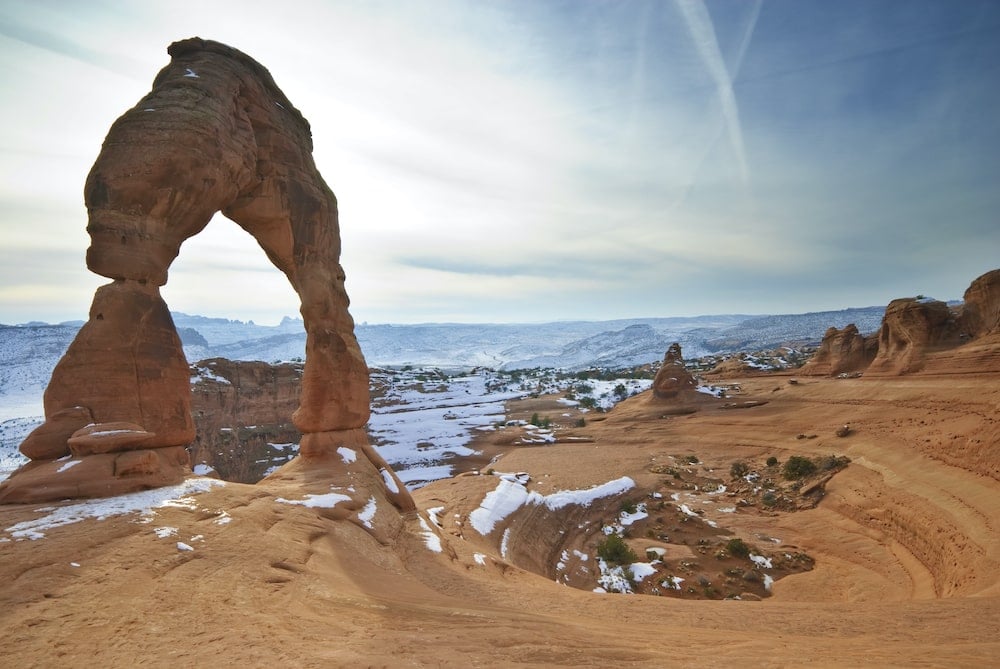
x=416 y=477
x=199 y=374
x=181 y=546
x=480 y=558
x=143 y=502
x=12 y=433
x=201 y=469
x=613 y=579
x=686 y=510
x=768 y=582
x=433 y=514
x=641 y=570
x=497 y=505
x=625 y=518
x=326 y=501
x=423 y=420
x=348 y=455
x=672 y=582
x=164 y=532
x=504 y=542
x=390 y=483
x=432 y=540
x=368 y=513
x=509 y=496
x=761 y=561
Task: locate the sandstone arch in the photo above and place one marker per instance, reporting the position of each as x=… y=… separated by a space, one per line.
x=215 y=133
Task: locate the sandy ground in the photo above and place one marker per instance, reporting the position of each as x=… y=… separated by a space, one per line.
x=905 y=543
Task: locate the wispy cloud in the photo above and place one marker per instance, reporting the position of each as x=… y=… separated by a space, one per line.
x=702 y=30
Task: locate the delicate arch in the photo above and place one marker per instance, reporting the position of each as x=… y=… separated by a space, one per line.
x=214 y=134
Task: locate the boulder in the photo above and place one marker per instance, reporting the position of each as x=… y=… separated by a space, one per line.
x=101 y=475
x=109 y=438
x=50 y=440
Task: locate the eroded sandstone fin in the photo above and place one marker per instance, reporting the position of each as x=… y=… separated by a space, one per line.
x=215 y=134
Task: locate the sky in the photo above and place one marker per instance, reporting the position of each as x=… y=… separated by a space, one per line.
x=537 y=160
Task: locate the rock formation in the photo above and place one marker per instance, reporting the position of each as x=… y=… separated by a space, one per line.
x=921 y=334
x=672 y=377
x=981 y=311
x=240 y=408
x=214 y=134
x=842 y=352
x=912 y=328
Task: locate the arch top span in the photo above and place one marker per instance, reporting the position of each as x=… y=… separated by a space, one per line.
x=214 y=134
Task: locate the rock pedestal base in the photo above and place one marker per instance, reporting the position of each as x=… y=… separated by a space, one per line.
x=101 y=475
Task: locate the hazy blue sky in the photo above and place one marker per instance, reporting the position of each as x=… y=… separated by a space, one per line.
x=534 y=160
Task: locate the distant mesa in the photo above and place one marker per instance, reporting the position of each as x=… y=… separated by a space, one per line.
x=920 y=334
x=215 y=133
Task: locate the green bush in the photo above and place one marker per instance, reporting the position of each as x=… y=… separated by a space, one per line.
x=613 y=550
x=737 y=548
x=797 y=467
x=772 y=461
x=540 y=422
x=739 y=469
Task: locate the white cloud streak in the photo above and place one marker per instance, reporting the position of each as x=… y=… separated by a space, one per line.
x=702 y=30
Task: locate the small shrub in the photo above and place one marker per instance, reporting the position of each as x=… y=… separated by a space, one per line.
x=692 y=459
x=540 y=422
x=772 y=461
x=737 y=548
x=613 y=550
x=797 y=467
x=580 y=422
x=739 y=469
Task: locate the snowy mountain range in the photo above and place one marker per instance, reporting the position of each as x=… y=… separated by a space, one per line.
x=29 y=352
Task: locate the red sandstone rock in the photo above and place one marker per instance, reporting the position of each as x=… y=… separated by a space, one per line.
x=239 y=408
x=215 y=133
x=912 y=328
x=127 y=364
x=672 y=377
x=841 y=352
x=101 y=475
x=109 y=438
x=49 y=440
x=981 y=311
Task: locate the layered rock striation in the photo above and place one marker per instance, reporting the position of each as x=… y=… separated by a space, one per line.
x=214 y=134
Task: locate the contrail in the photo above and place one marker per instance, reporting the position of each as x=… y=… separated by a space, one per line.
x=734 y=71
x=699 y=24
